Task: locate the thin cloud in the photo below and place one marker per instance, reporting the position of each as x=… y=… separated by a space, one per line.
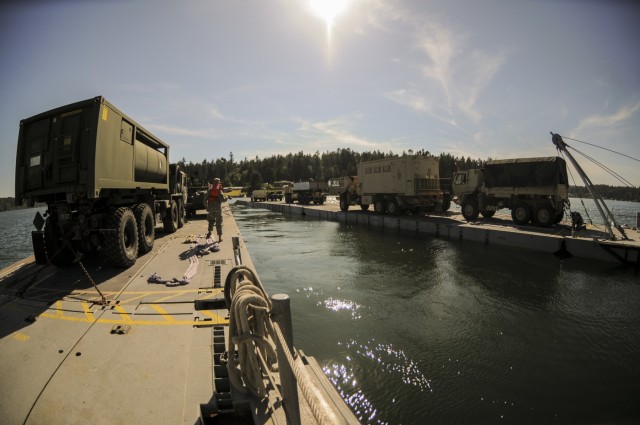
x=441 y=47
x=179 y=131
x=335 y=131
x=619 y=117
x=452 y=77
x=484 y=67
x=409 y=99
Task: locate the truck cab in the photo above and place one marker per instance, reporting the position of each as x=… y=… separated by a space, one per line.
x=465 y=182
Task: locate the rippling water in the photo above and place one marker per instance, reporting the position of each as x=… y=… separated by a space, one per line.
x=15 y=235
x=421 y=330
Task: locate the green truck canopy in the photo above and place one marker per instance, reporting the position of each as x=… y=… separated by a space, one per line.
x=525 y=172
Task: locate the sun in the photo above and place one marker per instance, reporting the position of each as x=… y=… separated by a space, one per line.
x=328 y=9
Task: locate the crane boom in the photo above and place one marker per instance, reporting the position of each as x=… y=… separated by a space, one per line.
x=607 y=217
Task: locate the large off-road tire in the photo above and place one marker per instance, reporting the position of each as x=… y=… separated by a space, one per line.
x=521 y=214
x=470 y=209
x=288 y=198
x=393 y=208
x=58 y=252
x=170 y=220
x=487 y=213
x=121 y=245
x=344 y=205
x=146 y=227
x=364 y=207
x=544 y=215
x=379 y=206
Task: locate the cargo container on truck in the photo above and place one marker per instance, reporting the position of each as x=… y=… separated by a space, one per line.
x=395 y=185
x=105 y=179
x=306 y=192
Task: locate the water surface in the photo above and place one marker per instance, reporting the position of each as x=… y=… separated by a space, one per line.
x=417 y=330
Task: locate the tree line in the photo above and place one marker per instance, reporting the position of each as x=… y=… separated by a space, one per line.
x=300 y=166
x=254 y=173
x=618 y=193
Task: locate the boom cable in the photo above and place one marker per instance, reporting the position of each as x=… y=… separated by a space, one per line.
x=586 y=211
x=604 y=167
x=606 y=149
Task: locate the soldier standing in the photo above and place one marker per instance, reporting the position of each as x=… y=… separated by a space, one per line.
x=214 y=208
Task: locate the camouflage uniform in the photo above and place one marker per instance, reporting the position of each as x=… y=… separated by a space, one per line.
x=214 y=207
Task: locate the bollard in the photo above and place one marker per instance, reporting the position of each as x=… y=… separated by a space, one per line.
x=281 y=315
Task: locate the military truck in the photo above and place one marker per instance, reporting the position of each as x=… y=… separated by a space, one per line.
x=196 y=199
x=259 y=195
x=306 y=192
x=534 y=189
x=408 y=183
x=274 y=194
x=106 y=182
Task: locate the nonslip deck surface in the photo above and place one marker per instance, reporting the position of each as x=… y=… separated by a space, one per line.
x=146 y=357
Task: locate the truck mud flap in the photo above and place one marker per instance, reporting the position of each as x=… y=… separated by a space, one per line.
x=39 y=251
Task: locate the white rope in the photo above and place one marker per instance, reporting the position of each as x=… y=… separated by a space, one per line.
x=248 y=332
x=322 y=412
x=252 y=332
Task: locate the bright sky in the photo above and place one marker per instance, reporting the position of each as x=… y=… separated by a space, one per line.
x=261 y=77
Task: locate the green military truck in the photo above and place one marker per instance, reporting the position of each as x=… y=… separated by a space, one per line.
x=534 y=189
x=106 y=182
x=197 y=199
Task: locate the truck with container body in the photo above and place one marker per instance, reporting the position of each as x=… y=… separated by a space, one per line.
x=105 y=179
x=306 y=192
x=534 y=189
x=395 y=185
x=196 y=199
x=259 y=195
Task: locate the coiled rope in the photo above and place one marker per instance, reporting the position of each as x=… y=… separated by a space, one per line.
x=249 y=331
x=252 y=335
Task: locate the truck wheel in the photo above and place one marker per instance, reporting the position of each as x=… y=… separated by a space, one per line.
x=58 y=253
x=170 y=220
x=121 y=246
x=320 y=201
x=288 y=198
x=470 y=209
x=544 y=216
x=146 y=227
x=487 y=213
x=393 y=208
x=364 y=207
x=379 y=206
x=344 y=205
x=521 y=214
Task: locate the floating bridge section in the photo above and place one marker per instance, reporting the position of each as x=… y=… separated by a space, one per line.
x=498 y=230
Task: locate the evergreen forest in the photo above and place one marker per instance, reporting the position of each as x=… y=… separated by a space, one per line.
x=255 y=173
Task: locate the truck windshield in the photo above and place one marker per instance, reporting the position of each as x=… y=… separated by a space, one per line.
x=460 y=179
